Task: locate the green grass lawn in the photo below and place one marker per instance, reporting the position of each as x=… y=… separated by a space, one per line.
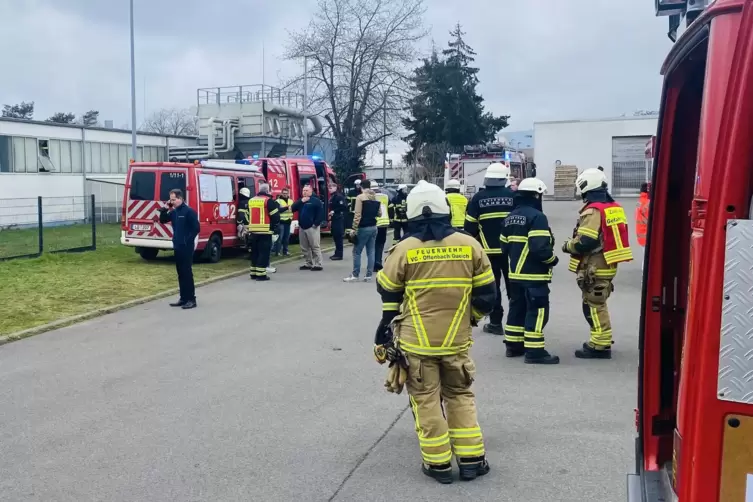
x=40 y=290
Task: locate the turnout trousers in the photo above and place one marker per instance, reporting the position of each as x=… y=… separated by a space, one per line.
x=595 y=296
x=261 y=246
x=527 y=316
x=444 y=408
x=501 y=269
x=400 y=229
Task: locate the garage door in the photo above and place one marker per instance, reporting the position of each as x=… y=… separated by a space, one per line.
x=628 y=164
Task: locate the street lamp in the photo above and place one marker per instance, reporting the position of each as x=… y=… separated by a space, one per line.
x=133 y=92
x=305 y=96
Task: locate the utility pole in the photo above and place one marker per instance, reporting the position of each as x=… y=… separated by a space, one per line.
x=305 y=92
x=133 y=92
x=384 y=141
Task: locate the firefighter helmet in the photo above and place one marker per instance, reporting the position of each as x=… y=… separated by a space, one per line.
x=245 y=192
x=374 y=184
x=533 y=185
x=497 y=174
x=591 y=179
x=453 y=183
x=402 y=186
x=426 y=199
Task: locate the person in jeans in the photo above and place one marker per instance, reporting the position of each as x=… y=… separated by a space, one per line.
x=364 y=231
x=310 y=216
x=185 y=224
x=286 y=218
x=339 y=208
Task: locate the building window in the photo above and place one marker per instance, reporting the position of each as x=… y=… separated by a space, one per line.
x=32 y=157
x=66 y=165
x=6 y=154
x=123 y=158
x=76 y=160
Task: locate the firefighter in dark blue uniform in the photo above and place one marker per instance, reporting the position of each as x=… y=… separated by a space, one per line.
x=528 y=242
x=483 y=220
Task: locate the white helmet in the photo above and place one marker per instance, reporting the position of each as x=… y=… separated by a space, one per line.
x=358 y=182
x=426 y=195
x=245 y=192
x=591 y=179
x=534 y=185
x=453 y=183
x=402 y=186
x=497 y=171
x=374 y=184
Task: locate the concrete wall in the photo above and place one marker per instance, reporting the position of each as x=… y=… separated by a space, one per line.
x=583 y=143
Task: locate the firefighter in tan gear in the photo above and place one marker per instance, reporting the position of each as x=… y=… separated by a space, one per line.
x=599 y=244
x=436 y=284
x=458 y=203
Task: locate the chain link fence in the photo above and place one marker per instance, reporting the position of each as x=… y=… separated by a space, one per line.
x=31 y=227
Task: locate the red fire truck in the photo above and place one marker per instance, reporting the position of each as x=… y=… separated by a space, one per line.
x=211 y=188
x=695 y=398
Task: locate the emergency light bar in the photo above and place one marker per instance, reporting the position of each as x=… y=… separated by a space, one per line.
x=232 y=165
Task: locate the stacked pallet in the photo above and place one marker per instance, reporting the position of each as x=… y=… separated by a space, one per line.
x=564 y=182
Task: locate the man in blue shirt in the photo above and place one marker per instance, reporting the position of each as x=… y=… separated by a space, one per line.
x=185 y=223
x=310 y=216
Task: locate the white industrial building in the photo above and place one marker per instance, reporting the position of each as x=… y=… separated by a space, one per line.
x=616 y=144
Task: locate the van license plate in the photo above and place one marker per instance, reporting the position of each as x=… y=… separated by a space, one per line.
x=137 y=227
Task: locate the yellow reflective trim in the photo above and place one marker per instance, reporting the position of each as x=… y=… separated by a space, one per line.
x=390 y=306
x=483 y=279
x=531 y=277
x=468 y=450
x=437 y=458
x=594 y=234
x=433 y=442
x=539 y=326
x=572 y=266
x=615 y=216
x=503 y=239
x=450 y=281
x=421 y=350
x=494 y=216
x=549 y=260
x=539 y=233
x=469 y=432
x=386 y=283
x=439 y=253
x=452 y=332
x=514 y=338
x=273 y=212
x=522 y=239
x=514 y=329
x=470 y=218
x=606 y=273
x=521 y=260
x=418 y=324
x=476 y=313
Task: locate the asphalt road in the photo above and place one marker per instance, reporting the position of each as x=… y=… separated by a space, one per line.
x=270 y=392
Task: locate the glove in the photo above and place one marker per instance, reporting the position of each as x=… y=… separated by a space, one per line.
x=566 y=247
x=384 y=350
x=398 y=373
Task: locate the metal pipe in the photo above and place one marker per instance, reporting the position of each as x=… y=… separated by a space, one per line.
x=133 y=92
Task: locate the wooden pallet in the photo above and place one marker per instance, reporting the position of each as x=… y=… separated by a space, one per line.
x=564 y=182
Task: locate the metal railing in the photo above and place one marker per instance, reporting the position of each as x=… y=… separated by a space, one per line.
x=255 y=93
x=31 y=227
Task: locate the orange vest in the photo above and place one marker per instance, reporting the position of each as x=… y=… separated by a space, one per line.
x=258 y=220
x=641 y=219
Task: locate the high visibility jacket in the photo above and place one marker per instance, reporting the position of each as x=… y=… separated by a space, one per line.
x=398 y=208
x=285 y=216
x=528 y=242
x=263 y=214
x=432 y=288
x=352 y=194
x=641 y=218
x=457 y=203
x=485 y=214
x=383 y=220
x=600 y=239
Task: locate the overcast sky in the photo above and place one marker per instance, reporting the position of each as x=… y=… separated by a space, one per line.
x=539 y=59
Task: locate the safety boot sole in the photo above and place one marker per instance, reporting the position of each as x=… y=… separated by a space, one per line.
x=542 y=360
x=471 y=472
x=593 y=354
x=493 y=329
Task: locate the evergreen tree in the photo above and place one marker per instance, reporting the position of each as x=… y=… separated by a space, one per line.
x=446 y=107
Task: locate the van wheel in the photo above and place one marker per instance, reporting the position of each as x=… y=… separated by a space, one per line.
x=148 y=253
x=213 y=251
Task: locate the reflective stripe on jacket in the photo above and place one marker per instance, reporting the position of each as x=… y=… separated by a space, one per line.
x=529 y=245
x=458 y=203
x=383 y=220
x=260 y=217
x=285 y=216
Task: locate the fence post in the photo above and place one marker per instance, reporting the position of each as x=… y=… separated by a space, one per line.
x=94 y=223
x=40 y=224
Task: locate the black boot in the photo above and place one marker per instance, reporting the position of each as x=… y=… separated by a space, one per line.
x=494 y=329
x=540 y=356
x=179 y=303
x=588 y=352
x=441 y=473
x=514 y=350
x=471 y=468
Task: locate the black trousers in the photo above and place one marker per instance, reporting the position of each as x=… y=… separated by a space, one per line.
x=338 y=234
x=401 y=228
x=381 y=239
x=261 y=246
x=184 y=267
x=516 y=316
x=501 y=269
x=527 y=317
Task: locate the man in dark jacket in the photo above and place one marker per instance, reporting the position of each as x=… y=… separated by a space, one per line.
x=397 y=212
x=185 y=223
x=527 y=239
x=338 y=204
x=310 y=217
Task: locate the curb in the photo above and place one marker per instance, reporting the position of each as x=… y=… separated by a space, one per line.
x=62 y=323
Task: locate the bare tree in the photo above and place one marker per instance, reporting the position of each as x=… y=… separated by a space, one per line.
x=361 y=55
x=430 y=161
x=172 y=121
